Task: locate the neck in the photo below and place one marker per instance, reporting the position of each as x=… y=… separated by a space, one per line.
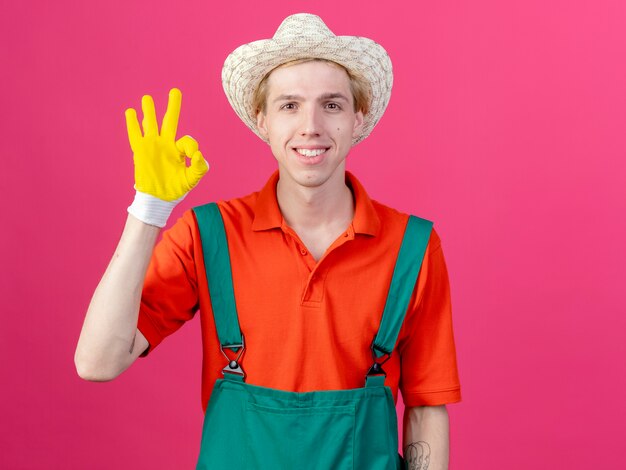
x=330 y=206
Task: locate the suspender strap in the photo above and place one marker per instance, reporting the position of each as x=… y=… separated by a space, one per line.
x=408 y=264
x=219 y=275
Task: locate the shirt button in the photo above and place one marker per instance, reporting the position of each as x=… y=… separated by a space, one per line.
x=345 y=234
x=303 y=251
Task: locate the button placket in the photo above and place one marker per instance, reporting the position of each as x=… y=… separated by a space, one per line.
x=314 y=290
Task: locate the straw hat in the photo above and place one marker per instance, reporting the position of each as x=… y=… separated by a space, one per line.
x=305 y=36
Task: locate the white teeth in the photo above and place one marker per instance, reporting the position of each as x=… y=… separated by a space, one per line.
x=310 y=153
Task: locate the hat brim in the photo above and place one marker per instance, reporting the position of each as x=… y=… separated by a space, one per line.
x=246 y=66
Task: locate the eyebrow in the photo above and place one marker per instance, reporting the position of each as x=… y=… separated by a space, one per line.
x=324 y=97
x=333 y=96
x=287 y=98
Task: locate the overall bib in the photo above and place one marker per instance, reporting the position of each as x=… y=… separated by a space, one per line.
x=252 y=427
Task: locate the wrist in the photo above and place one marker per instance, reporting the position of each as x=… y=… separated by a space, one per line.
x=152 y=210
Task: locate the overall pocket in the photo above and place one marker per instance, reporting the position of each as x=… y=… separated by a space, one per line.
x=316 y=437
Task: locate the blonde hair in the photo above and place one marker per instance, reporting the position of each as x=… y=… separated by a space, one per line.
x=359 y=87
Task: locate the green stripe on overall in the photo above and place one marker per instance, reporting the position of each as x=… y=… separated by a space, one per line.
x=252 y=427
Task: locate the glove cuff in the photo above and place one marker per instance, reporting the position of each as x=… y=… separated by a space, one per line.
x=152 y=210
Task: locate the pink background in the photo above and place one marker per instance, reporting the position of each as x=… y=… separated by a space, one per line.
x=506 y=126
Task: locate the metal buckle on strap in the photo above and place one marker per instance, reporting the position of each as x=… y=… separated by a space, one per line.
x=233 y=366
x=377 y=368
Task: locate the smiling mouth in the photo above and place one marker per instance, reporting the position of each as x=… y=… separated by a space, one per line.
x=311 y=152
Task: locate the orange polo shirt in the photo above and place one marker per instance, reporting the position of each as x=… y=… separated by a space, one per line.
x=308 y=324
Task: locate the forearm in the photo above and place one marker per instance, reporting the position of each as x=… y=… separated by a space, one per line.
x=426 y=438
x=106 y=346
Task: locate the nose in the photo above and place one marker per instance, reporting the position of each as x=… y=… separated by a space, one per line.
x=310 y=125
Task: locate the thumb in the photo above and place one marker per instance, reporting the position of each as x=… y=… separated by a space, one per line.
x=198 y=168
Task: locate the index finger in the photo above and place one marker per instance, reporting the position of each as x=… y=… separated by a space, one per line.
x=170 y=121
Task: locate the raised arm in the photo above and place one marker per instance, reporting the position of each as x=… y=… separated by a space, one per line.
x=109 y=341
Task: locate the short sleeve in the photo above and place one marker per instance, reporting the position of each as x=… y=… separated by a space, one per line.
x=169 y=296
x=429 y=374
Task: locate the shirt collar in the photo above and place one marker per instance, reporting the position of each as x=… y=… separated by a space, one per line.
x=267 y=213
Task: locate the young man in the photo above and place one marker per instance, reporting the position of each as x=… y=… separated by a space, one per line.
x=299 y=286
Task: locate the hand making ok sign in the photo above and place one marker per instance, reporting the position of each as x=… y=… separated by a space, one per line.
x=160 y=160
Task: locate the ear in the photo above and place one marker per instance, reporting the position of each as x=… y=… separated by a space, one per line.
x=261 y=124
x=358 y=124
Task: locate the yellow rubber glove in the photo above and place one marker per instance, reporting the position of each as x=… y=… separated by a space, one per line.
x=160 y=161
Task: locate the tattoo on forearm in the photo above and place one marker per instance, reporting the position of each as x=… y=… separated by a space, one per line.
x=417 y=455
x=132 y=345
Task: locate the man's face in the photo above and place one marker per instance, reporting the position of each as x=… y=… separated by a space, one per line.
x=310 y=122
